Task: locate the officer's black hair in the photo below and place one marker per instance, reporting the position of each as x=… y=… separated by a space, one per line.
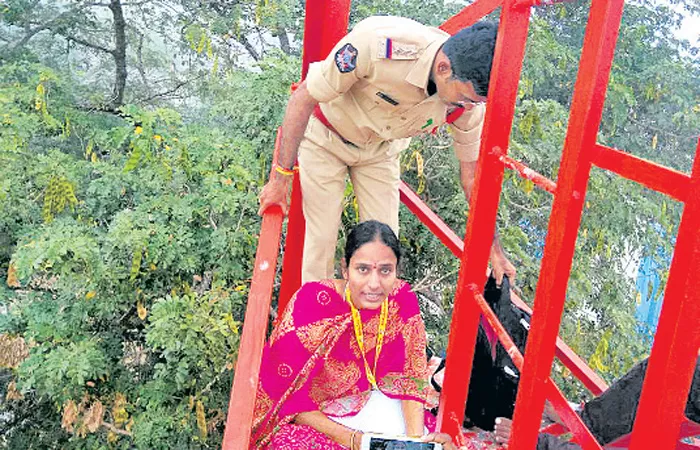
x=470 y=52
x=371 y=231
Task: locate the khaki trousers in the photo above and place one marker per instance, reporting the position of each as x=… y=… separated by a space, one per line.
x=324 y=163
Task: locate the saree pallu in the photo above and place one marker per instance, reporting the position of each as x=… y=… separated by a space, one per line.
x=312 y=362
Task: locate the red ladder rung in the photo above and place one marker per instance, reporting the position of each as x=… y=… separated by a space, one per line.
x=654 y=176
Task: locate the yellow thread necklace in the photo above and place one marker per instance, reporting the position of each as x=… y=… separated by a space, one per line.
x=357 y=324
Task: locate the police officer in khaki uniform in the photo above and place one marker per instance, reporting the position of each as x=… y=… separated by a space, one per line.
x=389 y=79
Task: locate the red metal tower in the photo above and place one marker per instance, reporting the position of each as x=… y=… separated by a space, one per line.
x=660 y=420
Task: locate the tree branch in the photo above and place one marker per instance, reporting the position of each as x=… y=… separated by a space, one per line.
x=88 y=44
x=102 y=109
x=139 y=56
x=172 y=90
x=249 y=47
x=114 y=429
x=107 y=5
x=262 y=41
x=425 y=284
x=47 y=26
x=281 y=33
x=119 y=52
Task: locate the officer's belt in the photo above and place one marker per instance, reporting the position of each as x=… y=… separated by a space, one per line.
x=319 y=115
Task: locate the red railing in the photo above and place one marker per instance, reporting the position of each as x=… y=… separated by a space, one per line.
x=325 y=23
x=660 y=412
x=454 y=243
x=245 y=382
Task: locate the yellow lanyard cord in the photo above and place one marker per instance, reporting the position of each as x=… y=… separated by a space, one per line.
x=357 y=324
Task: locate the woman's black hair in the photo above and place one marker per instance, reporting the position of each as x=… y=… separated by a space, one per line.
x=371 y=231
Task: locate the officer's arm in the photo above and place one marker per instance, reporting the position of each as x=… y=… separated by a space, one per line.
x=299 y=108
x=326 y=80
x=466 y=132
x=467 y=171
x=349 y=61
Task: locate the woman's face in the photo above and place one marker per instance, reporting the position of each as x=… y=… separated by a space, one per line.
x=371 y=274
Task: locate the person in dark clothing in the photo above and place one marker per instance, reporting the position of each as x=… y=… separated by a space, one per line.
x=494 y=384
x=611 y=415
x=494 y=377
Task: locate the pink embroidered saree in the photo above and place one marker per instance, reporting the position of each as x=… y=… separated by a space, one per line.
x=312 y=362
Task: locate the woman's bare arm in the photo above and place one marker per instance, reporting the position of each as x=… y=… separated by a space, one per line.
x=413 y=416
x=320 y=422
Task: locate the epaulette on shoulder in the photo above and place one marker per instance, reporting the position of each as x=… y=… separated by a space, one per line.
x=389 y=48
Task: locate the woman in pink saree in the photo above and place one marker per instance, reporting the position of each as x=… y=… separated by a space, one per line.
x=343 y=350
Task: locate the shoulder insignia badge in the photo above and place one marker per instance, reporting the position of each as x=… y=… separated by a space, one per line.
x=391 y=49
x=346 y=58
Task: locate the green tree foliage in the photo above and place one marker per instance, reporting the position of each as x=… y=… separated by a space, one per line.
x=131 y=284
x=128 y=199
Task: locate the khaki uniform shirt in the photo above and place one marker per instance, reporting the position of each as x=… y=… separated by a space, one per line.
x=373 y=86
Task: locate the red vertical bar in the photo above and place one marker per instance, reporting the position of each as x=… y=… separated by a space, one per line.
x=505 y=74
x=586 y=111
x=293 y=248
x=239 y=418
x=673 y=356
x=325 y=24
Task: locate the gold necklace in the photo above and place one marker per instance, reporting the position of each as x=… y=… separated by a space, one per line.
x=357 y=324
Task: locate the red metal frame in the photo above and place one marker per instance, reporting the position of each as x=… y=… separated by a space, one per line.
x=586 y=112
x=505 y=74
x=529 y=174
x=577 y=366
x=239 y=418
x=454 y=243
x=660 y=414
x=677 y=340
x=671 y=182
x=470 y=14
x=326 y=22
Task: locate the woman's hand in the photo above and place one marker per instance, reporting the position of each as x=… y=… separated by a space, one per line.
x=440 y=438
x=347 y=437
